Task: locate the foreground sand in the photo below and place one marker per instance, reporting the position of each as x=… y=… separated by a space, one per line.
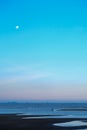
x=10 y=121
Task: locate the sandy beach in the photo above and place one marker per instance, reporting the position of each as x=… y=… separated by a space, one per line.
x=11 y=121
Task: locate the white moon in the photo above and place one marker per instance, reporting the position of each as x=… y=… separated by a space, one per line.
x=17 y=27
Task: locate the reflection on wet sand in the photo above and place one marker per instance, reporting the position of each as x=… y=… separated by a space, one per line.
x=71 y=124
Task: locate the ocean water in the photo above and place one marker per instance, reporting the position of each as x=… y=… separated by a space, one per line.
x=46 y=109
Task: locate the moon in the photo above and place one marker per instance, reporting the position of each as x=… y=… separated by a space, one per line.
x=17 y=26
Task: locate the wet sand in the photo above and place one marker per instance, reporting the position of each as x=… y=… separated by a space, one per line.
x=10 y=121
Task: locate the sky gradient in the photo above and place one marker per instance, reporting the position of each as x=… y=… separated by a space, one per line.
x=45 y=58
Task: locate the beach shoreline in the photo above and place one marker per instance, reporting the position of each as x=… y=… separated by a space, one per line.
x=11 y=121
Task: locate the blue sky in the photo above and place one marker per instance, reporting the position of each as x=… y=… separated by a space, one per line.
x=46 y=58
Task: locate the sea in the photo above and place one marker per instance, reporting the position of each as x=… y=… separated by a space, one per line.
x=54 y=110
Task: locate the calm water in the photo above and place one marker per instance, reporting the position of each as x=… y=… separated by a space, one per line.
x=55 y=109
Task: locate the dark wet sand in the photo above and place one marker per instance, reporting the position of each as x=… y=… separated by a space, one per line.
x=10 y=121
